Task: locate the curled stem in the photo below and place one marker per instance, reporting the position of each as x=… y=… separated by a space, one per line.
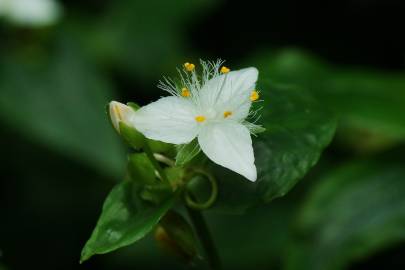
x=193 y=208
x=191 y=200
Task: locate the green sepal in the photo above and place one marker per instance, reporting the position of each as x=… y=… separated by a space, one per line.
x=161 y=147
x=133 y=137
x=186 y=152
x=134 y=106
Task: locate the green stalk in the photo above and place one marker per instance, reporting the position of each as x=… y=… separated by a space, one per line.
x=205 y=237
x=196 y=217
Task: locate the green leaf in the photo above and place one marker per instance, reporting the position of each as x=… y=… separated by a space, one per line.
x=297 y=130
x=370 y=102
x=125 y=219
x=58 y=101
x=353 y=212
x=186 y=152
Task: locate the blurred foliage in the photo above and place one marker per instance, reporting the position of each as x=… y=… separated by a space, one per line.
x=369 y=102
x=141 y=38
x=353 y=211
x=57 y=97
x=59 y=152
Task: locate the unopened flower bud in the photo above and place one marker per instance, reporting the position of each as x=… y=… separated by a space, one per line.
x=175 y=236
x=120 y=113
x=121 y=116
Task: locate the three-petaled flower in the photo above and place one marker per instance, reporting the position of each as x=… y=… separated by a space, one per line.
x=213 y=108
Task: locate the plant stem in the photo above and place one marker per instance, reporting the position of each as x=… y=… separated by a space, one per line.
x=155 y=163
x=196 y=217
x=205 y=237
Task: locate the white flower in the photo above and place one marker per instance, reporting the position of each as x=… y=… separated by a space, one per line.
x=213 y=108
x=35 y=13
x=120 y=113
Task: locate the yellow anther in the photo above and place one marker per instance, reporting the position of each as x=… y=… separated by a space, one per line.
x=224 y=70
x=254 y=95
x=185 y=92
x=227 y=114
x=189 y=66
x=200 y=118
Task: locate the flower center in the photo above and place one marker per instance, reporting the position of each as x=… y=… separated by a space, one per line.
x=227 y=114
x=200 y=118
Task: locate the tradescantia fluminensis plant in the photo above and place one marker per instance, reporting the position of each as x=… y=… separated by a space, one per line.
x=202 y=133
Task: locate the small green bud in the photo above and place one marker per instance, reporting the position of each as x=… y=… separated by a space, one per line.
x=175 y=236
x=121 y=115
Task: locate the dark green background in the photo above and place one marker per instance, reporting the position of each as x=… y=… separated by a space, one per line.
x=59 y=157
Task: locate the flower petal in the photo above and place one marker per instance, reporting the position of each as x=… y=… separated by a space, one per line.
x=230 y=91
x=228 y=144
x=169 y=119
